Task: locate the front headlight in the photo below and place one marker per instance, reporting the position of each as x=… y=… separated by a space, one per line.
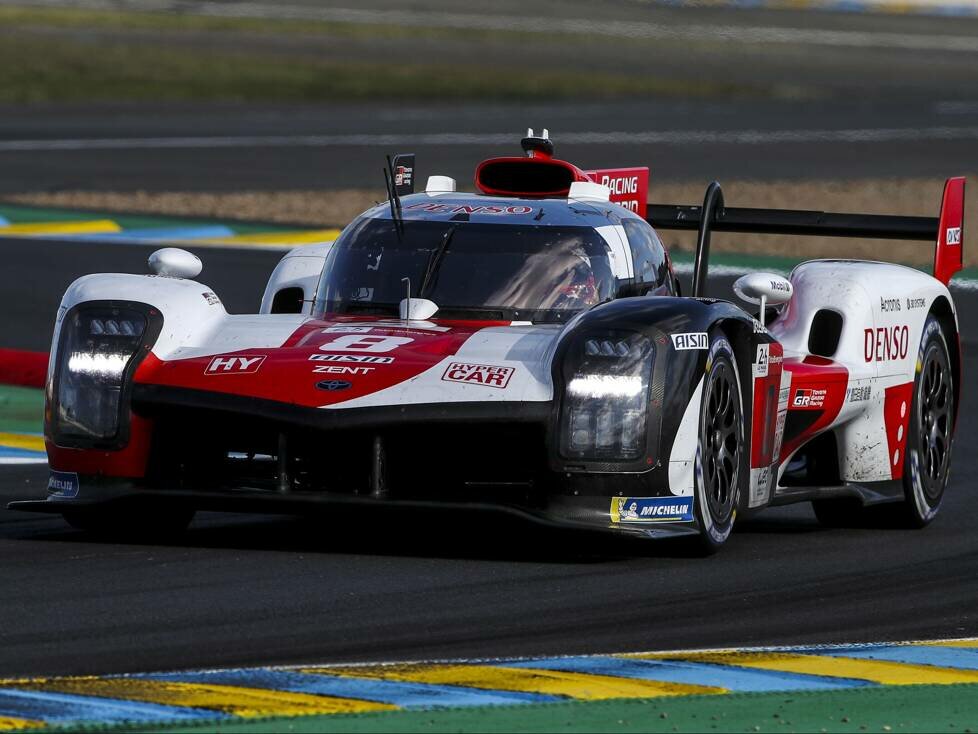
x=98 y=346
x=606 y=396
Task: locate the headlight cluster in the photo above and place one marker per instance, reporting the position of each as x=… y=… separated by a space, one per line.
x=607 y=380
x=96 y=348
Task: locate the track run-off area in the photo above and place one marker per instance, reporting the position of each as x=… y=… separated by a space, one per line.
x=502 y=693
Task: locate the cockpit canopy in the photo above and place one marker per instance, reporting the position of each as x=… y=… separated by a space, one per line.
x=484 y=270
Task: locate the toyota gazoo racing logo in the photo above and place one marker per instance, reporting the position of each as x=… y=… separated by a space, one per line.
x=808 y=398
x=403 y=176
x=953 y=236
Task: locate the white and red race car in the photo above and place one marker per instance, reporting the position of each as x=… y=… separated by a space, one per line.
x=526 y=347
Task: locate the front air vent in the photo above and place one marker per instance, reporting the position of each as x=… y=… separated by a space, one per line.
x=823 y=339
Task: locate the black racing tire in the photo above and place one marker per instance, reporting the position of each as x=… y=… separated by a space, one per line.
x=139 y=524
x=721 y=456
x=930 y=434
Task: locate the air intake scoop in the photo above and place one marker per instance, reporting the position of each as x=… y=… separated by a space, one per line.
x=537 y=175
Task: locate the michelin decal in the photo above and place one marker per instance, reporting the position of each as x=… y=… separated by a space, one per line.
x=626 y=510
x=63 y=484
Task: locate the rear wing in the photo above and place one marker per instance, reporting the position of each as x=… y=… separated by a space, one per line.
x=945 y=230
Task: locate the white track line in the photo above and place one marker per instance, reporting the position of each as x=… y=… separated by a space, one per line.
x=617 y=137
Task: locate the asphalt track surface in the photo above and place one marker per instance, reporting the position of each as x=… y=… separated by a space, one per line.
x=232 y=148
x=389 y=586
x=759 y=94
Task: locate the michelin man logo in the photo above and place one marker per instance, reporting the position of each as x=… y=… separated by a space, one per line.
x=630 y=512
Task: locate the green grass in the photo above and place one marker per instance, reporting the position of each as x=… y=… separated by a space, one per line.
x=42 y=70
x=45 y=56
x=951 y=708
x=21 y=409
x=72 y=18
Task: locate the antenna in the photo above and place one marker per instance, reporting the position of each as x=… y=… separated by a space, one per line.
x=407 y=316
x=537 y=146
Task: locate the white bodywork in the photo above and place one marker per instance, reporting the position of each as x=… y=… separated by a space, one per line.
x=300 y=268
x=195 y=322
x=884 y=308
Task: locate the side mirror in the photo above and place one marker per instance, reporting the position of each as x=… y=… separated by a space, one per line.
x=417 y=309
x=763 y=289
x=172 y=262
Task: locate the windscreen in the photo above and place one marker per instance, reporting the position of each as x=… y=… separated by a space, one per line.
x=471 y=270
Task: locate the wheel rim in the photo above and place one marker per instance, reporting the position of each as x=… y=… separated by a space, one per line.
x=934 y=422
x=721 y=443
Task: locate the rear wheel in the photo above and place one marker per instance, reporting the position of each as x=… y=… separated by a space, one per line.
x=927 y=459
x=720 y=454
x=143 y=523
x=927 y=462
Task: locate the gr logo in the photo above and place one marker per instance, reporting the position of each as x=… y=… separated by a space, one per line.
x=365 y=343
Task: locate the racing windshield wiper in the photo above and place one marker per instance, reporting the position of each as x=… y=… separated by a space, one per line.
x=436 y=258
x=393 y=198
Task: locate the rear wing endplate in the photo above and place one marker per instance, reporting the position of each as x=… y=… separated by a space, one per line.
x=946 y=230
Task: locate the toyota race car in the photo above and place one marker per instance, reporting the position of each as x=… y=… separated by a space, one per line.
x=526 y=347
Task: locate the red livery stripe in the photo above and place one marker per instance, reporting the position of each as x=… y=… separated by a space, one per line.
x=22 y=368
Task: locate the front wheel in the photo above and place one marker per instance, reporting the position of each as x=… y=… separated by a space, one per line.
x=720 y=453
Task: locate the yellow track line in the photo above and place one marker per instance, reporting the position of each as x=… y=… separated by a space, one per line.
x=526 y=680
x=9 y=723
x=97 y=226
x=877 y=671
x=238 y=701
x=300 y=237
x=21 y=441
x=951 y=643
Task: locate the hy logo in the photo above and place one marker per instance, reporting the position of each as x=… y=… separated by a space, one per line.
x=236 y=365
